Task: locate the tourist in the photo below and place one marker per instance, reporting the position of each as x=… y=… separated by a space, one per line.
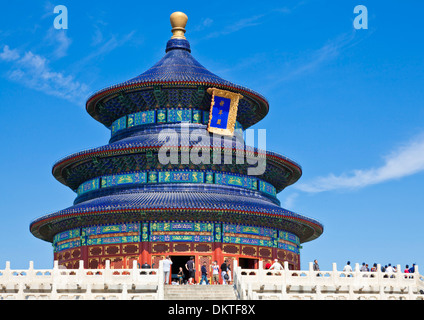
x=390 y=271
x=316 y=266
x=190 y=267
x=411 y=270
x=167 y=269
x=276 y=265
x=224 y=274
x=373 y=269
x=204 y=274
x=364 y=268
x=347 y=267
x=229 y=273
x=180 y=275
x=215 y=273
x=268 y=265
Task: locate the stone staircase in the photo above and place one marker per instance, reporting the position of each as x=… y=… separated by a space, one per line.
x=199 y=292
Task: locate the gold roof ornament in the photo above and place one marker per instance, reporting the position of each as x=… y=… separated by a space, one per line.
x=178 y=23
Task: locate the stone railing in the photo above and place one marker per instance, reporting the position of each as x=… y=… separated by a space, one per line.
x=250 y=284
x=86 y=284
x=256 y=284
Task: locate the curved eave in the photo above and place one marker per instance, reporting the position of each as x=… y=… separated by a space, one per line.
x=60 y=166
x=307 y=229
x=110 y=91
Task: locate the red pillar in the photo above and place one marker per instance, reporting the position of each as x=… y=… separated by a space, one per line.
x=84 y=256
x=217 y=253
x=145 y=255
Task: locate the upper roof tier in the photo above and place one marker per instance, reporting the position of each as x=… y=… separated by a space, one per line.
x=177 y=80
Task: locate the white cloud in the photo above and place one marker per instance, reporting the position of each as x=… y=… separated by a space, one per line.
x=105 y=48
x=205 y=23
x=404 y=161
x=236 y=26
x=289 y=200
x=243 y=23
x=33 y=71
x=59 y=40
x=9 y=55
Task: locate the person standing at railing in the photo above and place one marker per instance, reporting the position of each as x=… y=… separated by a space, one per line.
x=276 y=266
x=410 y=270
x=347 y=267
x=316 y=266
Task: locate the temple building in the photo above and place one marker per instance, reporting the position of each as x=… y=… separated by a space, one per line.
x=167 y=184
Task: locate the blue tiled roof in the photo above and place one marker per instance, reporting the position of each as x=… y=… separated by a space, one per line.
x=178 y=67
x=172 y=200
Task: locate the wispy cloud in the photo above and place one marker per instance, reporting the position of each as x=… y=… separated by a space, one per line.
x=205 y=23
x=8 y=54
x=309 y=62
x=236 y=26
x=59 y=40
x=33 y=71
x=104 y=48
x=406 y=160
x=289 y=200
x=240 y=24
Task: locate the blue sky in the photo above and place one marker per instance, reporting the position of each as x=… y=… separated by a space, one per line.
x=346 y=104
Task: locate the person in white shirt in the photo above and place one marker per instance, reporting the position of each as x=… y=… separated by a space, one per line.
x=276 y=265
x=167 y=269
x=347 y=267
x=215 y=273
x=390 y=269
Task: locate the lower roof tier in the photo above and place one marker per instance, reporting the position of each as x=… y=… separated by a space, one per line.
x=222 y=206
x=193 y=147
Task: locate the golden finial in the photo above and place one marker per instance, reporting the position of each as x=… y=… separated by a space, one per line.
x=178 y=23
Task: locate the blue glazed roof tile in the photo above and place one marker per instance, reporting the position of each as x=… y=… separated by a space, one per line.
x=147 y=200
x=178 y=66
